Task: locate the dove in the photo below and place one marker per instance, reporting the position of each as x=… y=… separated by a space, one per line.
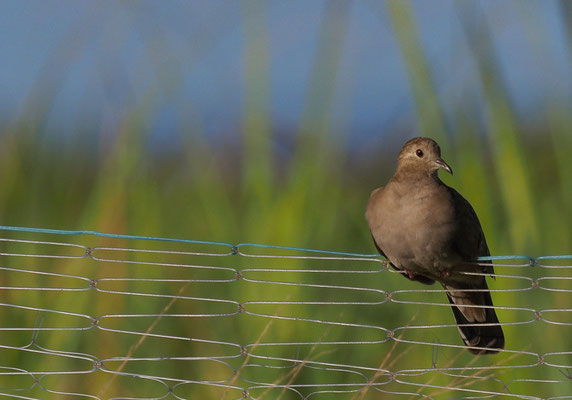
x=430 y=233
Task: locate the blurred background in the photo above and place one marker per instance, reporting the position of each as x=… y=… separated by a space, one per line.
x=271 y=122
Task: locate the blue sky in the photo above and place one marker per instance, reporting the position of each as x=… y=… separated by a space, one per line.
x=94 y=61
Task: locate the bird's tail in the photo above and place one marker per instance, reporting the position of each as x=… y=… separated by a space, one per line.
x=479 y=326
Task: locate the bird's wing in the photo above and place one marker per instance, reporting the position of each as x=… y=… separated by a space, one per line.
x=469 y=240
x=470 y=299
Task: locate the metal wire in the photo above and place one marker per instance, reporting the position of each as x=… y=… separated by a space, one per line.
x=104 y=316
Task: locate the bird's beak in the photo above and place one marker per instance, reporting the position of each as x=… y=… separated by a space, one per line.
x=442 y=164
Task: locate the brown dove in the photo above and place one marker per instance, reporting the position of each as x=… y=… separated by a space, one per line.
x=428 y=231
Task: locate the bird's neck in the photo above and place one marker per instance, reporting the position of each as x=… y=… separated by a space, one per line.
x=419 y=177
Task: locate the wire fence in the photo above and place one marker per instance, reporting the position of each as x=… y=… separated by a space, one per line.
x=102 y=316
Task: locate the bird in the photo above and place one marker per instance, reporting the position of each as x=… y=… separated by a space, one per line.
x=430 y=233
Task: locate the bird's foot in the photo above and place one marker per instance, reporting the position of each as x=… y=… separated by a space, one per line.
x=444 y=273
x=410 y=274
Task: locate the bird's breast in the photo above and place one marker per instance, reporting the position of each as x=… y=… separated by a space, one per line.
x=415 y=228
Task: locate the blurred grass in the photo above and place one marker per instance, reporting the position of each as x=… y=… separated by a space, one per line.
x=516 y=177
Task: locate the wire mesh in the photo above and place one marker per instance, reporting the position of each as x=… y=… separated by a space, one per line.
x=103 y=316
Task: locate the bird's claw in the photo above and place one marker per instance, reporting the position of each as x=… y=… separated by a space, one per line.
x=410 y=274
x=445 y=273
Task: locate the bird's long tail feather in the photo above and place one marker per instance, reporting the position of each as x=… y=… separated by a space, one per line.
x=479 y=326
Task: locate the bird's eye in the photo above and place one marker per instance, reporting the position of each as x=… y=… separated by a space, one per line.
x=419 y=153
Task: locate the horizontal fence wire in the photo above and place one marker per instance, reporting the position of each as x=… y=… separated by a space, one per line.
x=105 y=316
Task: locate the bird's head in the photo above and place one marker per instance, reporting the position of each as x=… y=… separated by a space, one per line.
x=422 y=155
